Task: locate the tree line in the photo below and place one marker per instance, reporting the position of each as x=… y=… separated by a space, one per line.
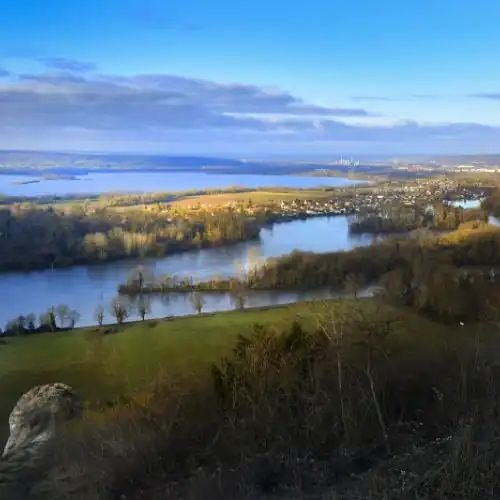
x=397 y=218
x=142 y=282
x=55 y=318
x=32 y=236
x=451 y=277
x=119 y=309
x=62 y=317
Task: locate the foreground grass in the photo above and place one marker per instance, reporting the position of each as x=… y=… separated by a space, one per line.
x=352 y=400
x=111 y=363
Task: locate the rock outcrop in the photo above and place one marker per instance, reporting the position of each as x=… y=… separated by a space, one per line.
x=33 y=425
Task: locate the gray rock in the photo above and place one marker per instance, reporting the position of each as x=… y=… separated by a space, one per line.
x=33 y=425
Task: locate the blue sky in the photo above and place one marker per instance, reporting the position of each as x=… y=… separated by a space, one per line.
x=251 y=78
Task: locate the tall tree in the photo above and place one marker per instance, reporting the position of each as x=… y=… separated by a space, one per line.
x=143 y=306
x=119 y=309
x=197 y=301
x=99 y=314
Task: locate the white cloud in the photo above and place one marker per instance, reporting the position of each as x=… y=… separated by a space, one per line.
x=87 y=111
x=64 y=64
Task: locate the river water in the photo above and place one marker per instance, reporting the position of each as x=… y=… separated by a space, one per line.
x=141 y=182
x=85 y=287
x=466 y=204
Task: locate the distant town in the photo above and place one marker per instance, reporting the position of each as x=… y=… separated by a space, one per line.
x=366 y=198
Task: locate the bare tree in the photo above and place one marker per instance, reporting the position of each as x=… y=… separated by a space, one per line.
x=62 y=313
x=16 y=326
x=99 y=314
x=143 y=306
x=239 y=297
x=119 y=309
x=332 y=323
x=197 y=301
x=21 y=323
x=30 y=321
x=347 y=326
x=139 y=276
x=48 y=320
x=353 y=284
x=374 y=332
x=73 y=317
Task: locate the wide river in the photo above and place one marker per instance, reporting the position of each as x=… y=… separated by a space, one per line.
x=141 y=182
x=85 y=287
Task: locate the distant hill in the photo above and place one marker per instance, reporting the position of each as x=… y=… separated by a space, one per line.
x=40 y=162
x=50 y=161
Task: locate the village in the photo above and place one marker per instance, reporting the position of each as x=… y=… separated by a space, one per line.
x=375 y=199
x=360 y=199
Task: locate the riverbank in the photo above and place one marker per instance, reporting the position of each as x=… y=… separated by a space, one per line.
x=115 y=227
x=84 y=288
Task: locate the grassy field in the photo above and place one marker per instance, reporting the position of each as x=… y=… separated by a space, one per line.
x=105 y=367
x=257 y=197
x=187 y=200
x=141 y=447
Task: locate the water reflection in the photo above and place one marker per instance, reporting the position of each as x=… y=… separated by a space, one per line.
x=179 y=304
x=84 y=287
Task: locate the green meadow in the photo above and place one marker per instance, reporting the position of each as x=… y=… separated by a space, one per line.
x=111 y=363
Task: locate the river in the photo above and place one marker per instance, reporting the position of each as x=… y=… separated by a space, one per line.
x=467 y=204
x=85 y=287
x=141 y=182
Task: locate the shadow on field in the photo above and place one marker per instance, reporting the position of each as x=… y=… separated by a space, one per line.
x=356 y=405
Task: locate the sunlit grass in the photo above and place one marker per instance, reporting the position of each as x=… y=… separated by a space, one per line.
x=256 y=197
